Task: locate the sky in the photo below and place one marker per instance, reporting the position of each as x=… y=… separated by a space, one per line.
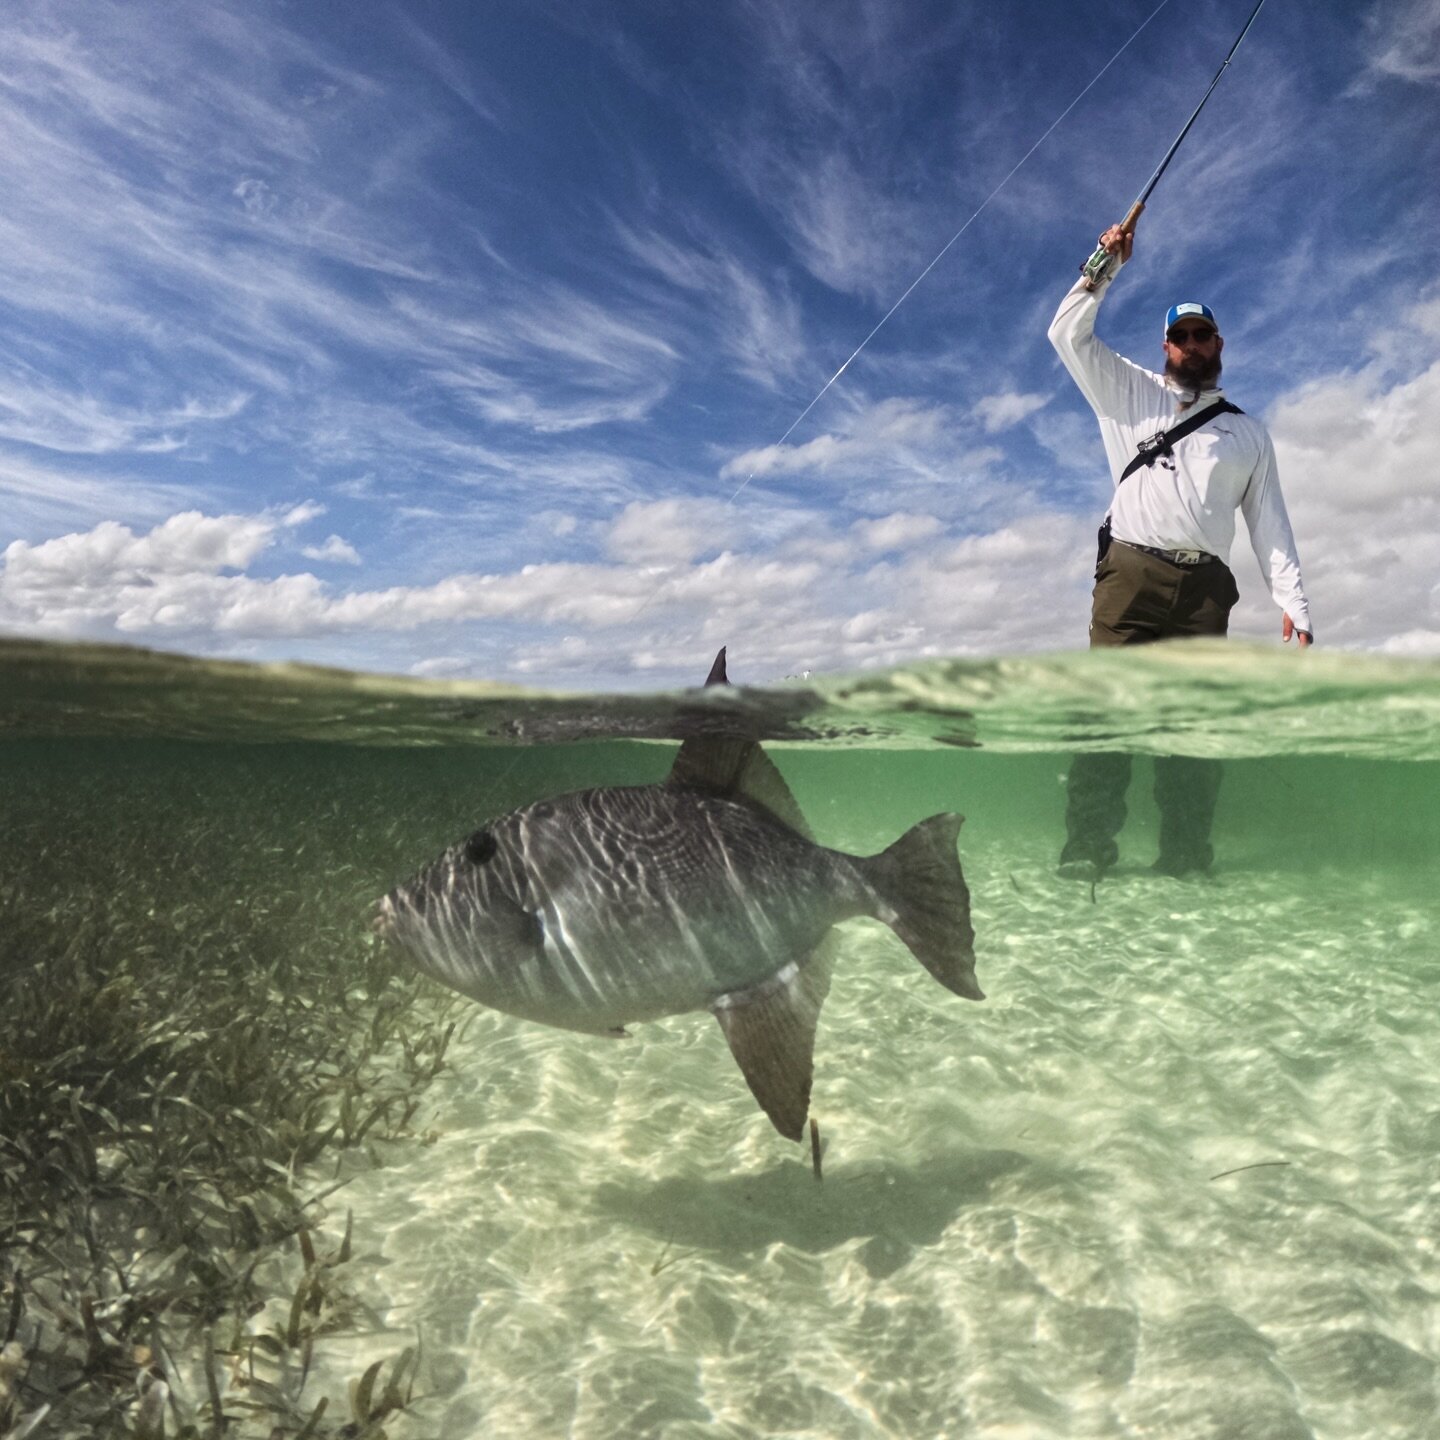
x=469 y=340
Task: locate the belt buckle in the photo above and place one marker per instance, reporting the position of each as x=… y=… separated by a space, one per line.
x=1187 y=557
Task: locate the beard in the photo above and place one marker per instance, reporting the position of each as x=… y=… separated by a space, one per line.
x=1195 y=372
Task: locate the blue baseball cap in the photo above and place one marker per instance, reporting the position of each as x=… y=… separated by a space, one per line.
x=1188 y=310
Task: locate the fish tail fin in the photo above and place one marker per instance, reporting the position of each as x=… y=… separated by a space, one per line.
x=925 y=901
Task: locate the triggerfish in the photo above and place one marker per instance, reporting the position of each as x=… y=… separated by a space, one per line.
x=597 y=909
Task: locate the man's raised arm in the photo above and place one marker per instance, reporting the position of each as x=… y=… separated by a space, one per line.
x=1108 y=381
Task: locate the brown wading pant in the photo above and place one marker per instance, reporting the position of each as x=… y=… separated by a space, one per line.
x=1139 y=598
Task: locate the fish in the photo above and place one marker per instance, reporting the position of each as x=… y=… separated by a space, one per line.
x=598 y=909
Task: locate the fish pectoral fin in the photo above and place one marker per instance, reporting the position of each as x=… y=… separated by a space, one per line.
x=771 y=1031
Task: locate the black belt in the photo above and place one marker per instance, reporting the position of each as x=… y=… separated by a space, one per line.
x=1175 y=557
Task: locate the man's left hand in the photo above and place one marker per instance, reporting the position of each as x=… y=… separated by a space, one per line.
x=1119 y=241
x=1287 y=629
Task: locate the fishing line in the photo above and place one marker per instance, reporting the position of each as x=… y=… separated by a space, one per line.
x=944 y=250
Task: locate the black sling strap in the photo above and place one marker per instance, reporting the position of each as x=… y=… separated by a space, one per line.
x=1150 y=450
x=1164 y=443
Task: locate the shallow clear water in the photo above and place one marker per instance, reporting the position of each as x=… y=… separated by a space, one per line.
x=1177 y=1176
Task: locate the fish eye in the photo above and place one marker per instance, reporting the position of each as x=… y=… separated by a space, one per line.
x=480 y=847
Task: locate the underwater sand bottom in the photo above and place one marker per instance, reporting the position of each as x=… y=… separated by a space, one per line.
x=1020 y=1231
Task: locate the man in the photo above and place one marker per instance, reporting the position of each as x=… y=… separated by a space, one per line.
x=1172 y=521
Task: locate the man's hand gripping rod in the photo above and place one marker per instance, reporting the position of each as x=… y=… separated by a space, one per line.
x=1101 y=265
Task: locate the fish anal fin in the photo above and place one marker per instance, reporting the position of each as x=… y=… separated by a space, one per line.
x=770 y=1028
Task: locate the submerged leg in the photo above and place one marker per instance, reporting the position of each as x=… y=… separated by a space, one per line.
x=1186 y=790
x=1128 y=607
x=1094 y=813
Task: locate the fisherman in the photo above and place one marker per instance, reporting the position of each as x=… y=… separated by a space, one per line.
x=1161 y=571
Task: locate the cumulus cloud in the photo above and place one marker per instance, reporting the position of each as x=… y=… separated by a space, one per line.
x=183 y=544
x=302 y=514
x=334 y=551
x=1356 y=439
x=1414 y=645
x=1000 y=412
x=805 y=589
x=812 y=599
x=896 y=532
x=173 y=580
x=1358 y=453
x=663 y=532
x=131 y=581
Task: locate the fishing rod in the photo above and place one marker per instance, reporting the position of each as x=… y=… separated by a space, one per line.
x=1101 y=264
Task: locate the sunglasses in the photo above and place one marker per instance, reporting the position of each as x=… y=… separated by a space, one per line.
x=1202 y=335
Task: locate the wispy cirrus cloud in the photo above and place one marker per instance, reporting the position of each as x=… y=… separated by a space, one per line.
x=754 y=322
x=851 y=235
x=39 y=414
x=545 y=359
x=1403 y=41
x=897 y=453
x=38 y=498
x=292 y=277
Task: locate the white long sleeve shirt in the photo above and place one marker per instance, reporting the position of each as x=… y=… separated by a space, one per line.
x=1187 y=502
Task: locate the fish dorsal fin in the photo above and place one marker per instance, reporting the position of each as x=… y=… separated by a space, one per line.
x=726 y=765
x=770 y=1028
x=738 y=767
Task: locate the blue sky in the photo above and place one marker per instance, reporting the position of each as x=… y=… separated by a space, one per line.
x=439 y=338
